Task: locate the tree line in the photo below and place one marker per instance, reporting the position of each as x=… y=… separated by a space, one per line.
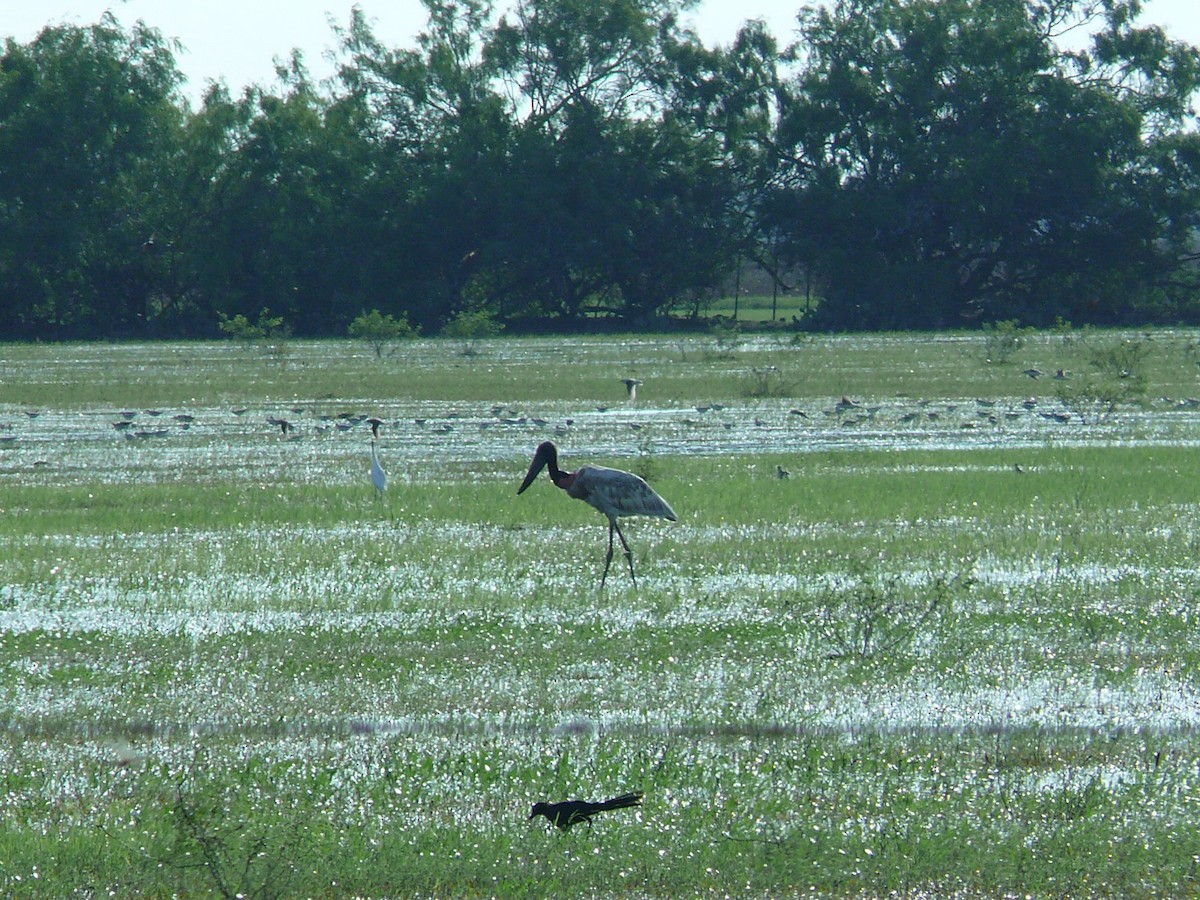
x=912 y=163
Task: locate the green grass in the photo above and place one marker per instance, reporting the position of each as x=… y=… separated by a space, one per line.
x=758 y=308
x=946 y=655
x=332 y=376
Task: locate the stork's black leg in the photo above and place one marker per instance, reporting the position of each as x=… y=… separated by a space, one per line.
x=628 y=552
x=608 y=559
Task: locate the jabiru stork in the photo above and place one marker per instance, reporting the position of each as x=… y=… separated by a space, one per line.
x=612 y=491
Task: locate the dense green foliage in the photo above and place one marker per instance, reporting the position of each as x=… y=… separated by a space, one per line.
x=913 y=163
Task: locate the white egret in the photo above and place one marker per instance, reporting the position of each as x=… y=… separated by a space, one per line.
x=378 y=476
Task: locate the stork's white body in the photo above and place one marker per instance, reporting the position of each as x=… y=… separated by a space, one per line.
x=618 y=494
x=378 y=476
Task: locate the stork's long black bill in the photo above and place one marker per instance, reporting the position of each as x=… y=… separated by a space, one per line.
x=534 y=470
x=546 y=454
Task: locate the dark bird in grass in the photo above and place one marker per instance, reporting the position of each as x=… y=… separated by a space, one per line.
x=572 y=812
x=631 y=385
x=374 y=423
x=285 y=426
x=1061 y=418
x=845 y=405
x=611 y=491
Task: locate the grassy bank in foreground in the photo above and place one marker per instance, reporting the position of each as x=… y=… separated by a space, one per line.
x=954 y=650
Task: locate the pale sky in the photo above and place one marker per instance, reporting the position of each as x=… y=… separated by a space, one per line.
x=237 y=41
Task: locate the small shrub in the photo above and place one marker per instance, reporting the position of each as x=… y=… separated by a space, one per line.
x=267 y=328
x=1002 y=339
x=1115 y=376
x=269 y=332
x=874 y=617
x=471 y=327
x=1066 y=332
x=1191 y=352
x=726 y=338
x=764 y=382
x=381 y=331
x=220 y=844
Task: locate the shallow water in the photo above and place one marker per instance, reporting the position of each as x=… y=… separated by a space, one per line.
x=330 y=439
x=82 y=447
x=433 y=440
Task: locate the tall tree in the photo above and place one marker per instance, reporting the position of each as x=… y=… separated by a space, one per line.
x=729 y=97
x=443 y=135
x=89 y=120
x=628 y=198
x=951 y=162
x=277 y=212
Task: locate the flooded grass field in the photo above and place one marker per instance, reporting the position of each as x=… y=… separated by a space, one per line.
x=926 y=625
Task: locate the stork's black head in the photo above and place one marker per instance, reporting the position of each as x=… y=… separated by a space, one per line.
x=546 y=455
